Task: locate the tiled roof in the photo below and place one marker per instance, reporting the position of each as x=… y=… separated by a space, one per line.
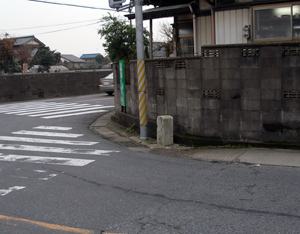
x=72 y=58
x=23 y=40
x=87 y=56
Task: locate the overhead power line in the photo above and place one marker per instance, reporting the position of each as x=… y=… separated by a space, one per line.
x=45 y=26
x=59 y=30
x=73 y=5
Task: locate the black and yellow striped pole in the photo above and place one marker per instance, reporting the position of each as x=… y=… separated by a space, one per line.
x=141 y=70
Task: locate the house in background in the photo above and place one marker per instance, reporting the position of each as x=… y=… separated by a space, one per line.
x=71 y=61
x=158 y=50
x=90 y=59
x=216 y=22
x=25 y=48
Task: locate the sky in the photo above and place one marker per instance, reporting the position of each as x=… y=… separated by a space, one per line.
x=51 y=23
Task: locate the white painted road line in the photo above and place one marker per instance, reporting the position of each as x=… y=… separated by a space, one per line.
x=47 y=134
x=46 y=109
x=56 y=149
x=54 y=128
x=4 y=192
x=45 y=160
x=71 y=111
x=79 y=113
x=47 y=141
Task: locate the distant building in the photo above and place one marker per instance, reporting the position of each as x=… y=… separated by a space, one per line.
x=71 y=61
x=90 y=59
x=25 y=48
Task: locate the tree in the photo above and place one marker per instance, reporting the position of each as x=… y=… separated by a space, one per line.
x=23 y=55
x=46 y=57
x=120 y=38
x=166 y=36
x=6 y=54
x=99 y=58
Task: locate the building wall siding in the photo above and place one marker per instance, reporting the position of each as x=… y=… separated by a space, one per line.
x=203 y=31
x=229 y=26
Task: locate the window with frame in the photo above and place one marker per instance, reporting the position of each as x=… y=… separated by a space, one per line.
x=186 y=39
x=281 y=22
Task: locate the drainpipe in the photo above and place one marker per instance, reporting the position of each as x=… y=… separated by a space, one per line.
x=213 y=27
x=194 y=28
x=151 y=39
x=213 y=24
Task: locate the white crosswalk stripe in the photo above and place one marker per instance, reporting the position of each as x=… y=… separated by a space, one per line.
x=45 y=139
x=51 y=110
x=45 y=160
x=55 y=149
x=45 y=136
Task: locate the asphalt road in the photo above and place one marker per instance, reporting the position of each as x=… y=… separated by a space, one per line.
x=56 y=176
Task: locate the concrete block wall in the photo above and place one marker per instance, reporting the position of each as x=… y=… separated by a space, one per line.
x=246 y=92
x=49 y=85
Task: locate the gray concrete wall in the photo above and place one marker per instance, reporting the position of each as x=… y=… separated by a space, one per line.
x=49 y=85
x=235 y=92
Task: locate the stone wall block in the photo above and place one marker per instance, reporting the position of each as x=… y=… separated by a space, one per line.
x=250 y=136
x=230 y=83
x=230 y=63
x=169 y=74
x=290 y=62
x=180 y=74
x=249 y=116
x=250 y=94
x=211 y=104
x=271 y=83
x=210 y=74
x=251 y=125
x=211 y=85
x=210 y=63
x=230 y=73
x=270 y=62
x=271 y=52
x=250 y=62
x=231 y=125
x=270 y=105
x=231 y=114
x=231 y=94
x=250 y=105
x=234 y=104
x=274 y=94
x=230 y=53
x=194 y=103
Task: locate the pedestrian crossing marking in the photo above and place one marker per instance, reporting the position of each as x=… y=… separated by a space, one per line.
x=46 y=141
x=4 y=192
x=78 y=113
x=47 y=134
x=53 y=128
x=57 y=131
x=45 y=160
x=41 y=109
x=67 y=111
x=51 y=110
x=55 y=149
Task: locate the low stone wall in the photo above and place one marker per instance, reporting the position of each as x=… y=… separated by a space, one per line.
x=247 y=92
x=49 y=85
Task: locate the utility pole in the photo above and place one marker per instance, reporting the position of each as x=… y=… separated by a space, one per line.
x=140 y=60
x=141 y=70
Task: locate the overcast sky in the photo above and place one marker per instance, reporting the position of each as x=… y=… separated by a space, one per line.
x=17 y=15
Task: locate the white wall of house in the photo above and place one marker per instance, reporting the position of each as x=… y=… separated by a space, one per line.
x=203 y=31
x=229 y=26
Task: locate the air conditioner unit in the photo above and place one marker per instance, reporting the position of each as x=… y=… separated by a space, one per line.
x=116 y=3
